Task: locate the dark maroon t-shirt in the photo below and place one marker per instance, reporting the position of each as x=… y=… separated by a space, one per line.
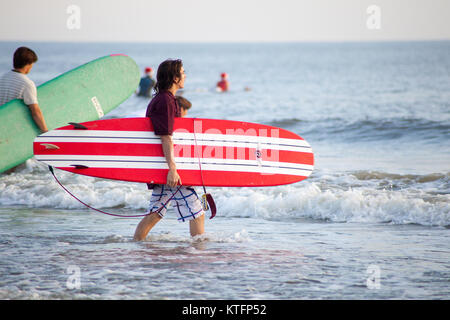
x=162 y=110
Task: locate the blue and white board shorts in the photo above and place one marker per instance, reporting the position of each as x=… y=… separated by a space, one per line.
x=186 y=202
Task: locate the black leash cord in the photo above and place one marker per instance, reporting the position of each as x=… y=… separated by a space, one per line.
x=208 y=197
x=107 y=213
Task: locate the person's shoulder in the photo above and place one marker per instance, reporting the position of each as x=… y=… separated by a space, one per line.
x=5 y=74
x=158 y=99
x=29 y=81
x=165 y=96
x=17 y=79
x=12 y=75
x=21 y=76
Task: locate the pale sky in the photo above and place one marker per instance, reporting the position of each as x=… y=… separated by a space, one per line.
x=224 y=20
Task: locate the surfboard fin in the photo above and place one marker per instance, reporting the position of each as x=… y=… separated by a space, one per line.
x=79 y=166
x=209 y=204
x=50 y=146
x=78 y=126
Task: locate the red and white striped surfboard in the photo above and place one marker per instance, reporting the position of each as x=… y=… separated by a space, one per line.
x=207 y=152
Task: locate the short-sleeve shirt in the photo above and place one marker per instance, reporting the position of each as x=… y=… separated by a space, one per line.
x=16 y=85
x=162 y=110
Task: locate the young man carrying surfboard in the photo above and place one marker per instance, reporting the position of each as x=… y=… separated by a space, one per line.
x=16 y=85
x=162 y=110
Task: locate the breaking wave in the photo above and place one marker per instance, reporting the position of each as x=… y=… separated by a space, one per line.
x=360 y=196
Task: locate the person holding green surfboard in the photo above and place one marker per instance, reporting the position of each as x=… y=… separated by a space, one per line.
x=16 y=85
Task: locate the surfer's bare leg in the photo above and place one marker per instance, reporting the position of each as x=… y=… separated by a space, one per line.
x=197 y=226
x=146 y=224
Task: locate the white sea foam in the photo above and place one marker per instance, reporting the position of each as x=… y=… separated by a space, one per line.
x=351 y=205
x=353 y=197
x=210 y=237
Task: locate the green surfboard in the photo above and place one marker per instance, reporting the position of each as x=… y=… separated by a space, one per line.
x=83 y=94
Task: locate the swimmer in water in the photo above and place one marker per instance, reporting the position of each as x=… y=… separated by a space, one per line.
x=223 y=85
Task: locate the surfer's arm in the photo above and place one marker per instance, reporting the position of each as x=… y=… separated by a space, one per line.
x=38 y=117
x=172 y=177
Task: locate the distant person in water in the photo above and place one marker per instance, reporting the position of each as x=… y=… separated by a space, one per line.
x=162 y=111
x=16 y=85
x=146 y=84
x=223 y=85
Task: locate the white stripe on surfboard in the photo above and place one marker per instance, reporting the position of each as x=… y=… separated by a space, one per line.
x=213 y=144
x=97 y=158
x=146 y=135
x=182 y=164
x=156 y=140
x=211 y=167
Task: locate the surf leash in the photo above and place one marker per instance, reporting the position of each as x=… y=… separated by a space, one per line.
x=107 y=213
x=207 y=199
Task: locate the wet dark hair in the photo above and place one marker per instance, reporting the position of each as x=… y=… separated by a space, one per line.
x=167 y=72
x=183 y=102
x=23 y=56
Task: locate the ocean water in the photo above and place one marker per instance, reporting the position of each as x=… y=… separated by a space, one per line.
x=371 y=222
